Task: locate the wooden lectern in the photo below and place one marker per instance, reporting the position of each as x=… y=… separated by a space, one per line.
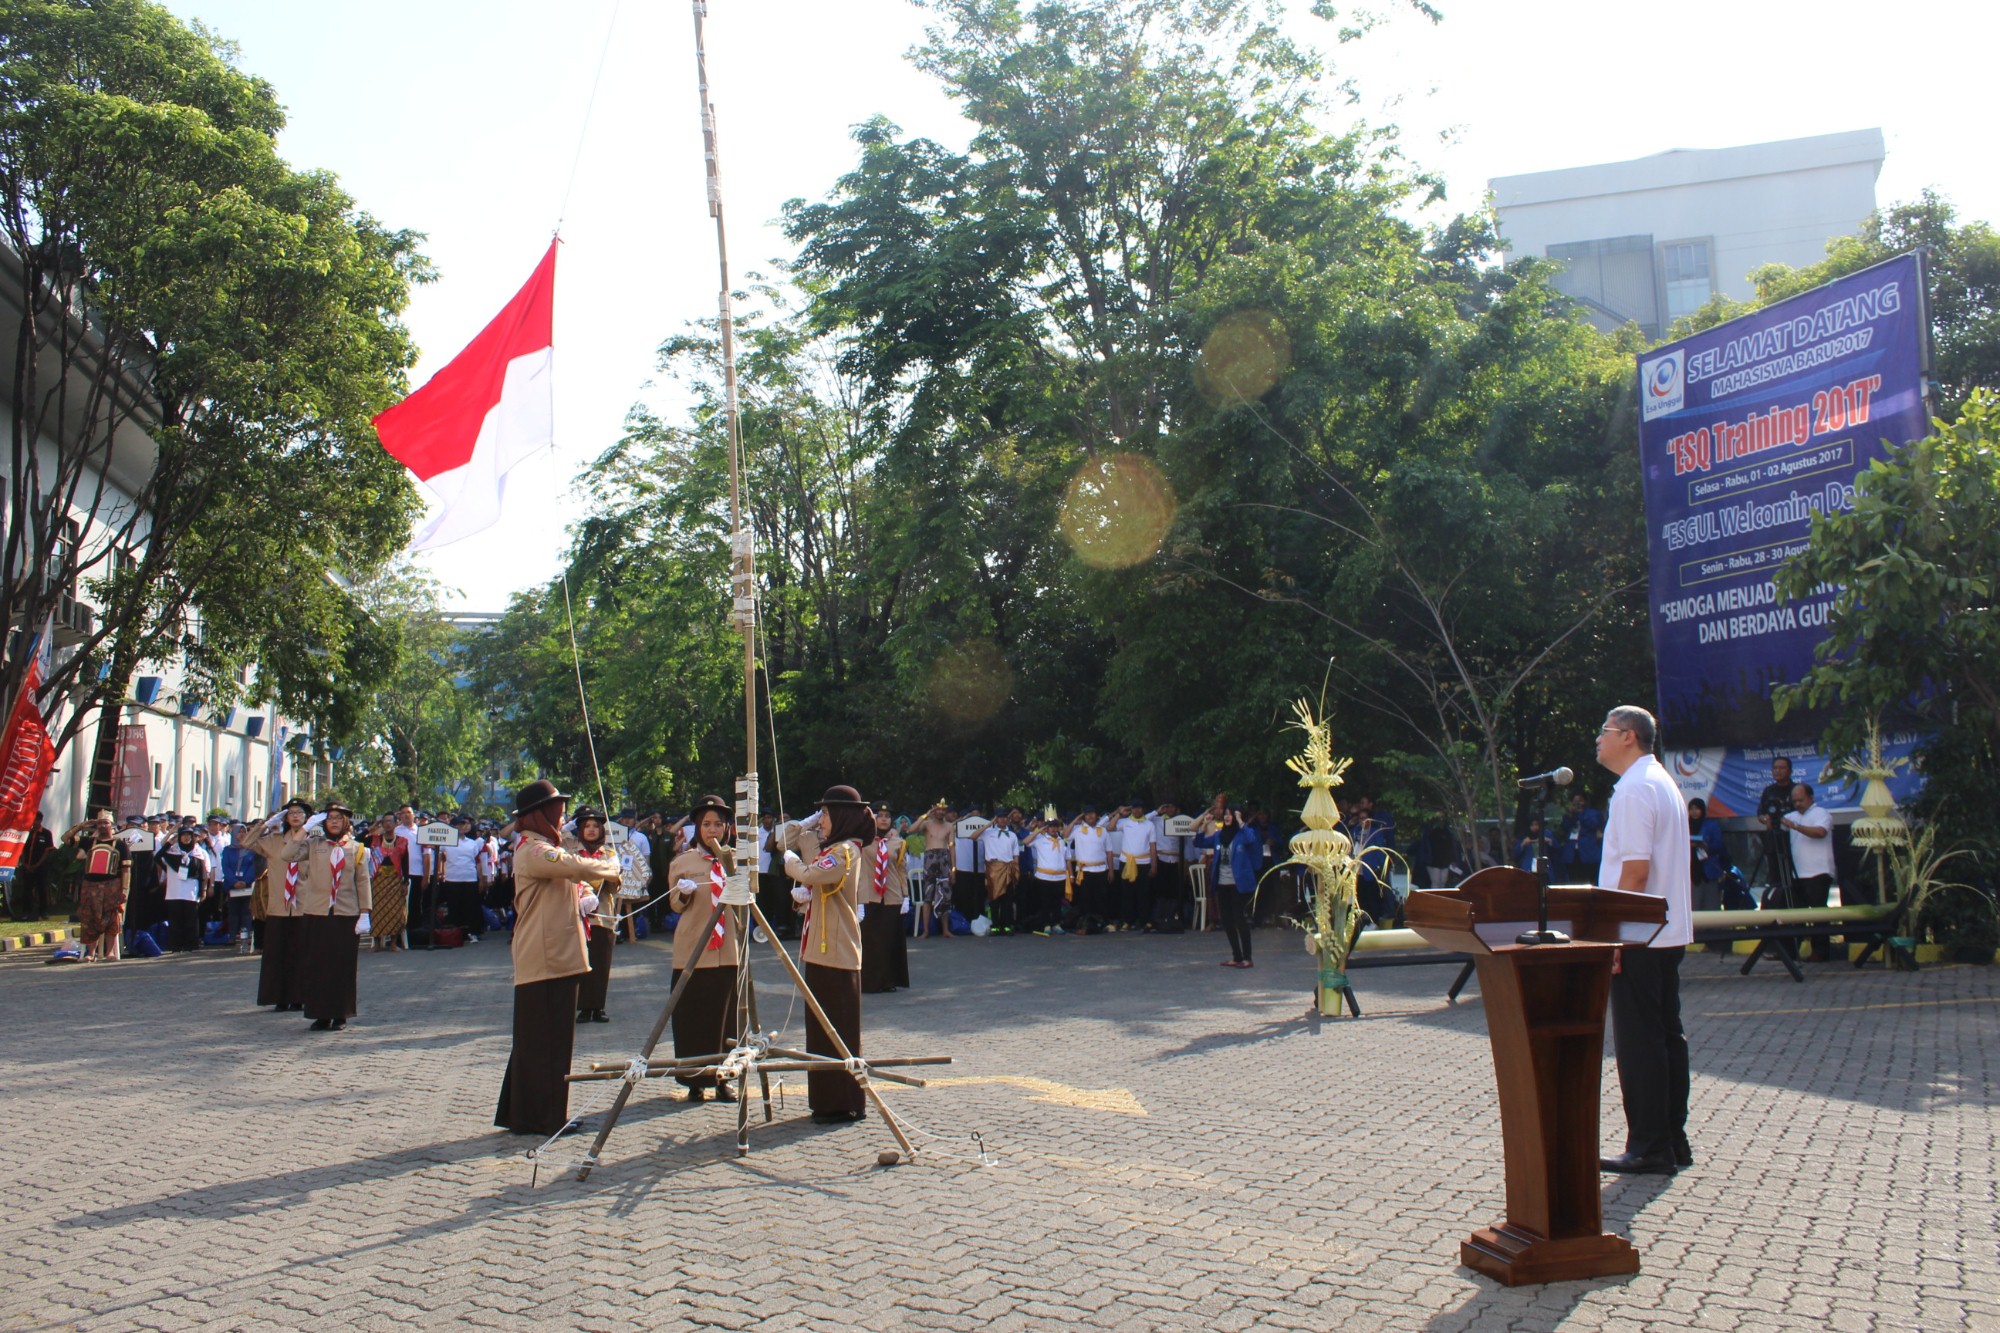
x=1545 y=1012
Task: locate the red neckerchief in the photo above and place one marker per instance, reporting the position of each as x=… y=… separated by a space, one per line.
x=716 y=880
x=336 y=862
x=882 y=870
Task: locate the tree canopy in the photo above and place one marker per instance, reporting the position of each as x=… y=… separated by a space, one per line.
x=1082 y=451
x=211 y=329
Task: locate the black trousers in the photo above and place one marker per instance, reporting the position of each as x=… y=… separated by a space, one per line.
x=1235 y=920
x=1813 y=891
x=1169 y=896
x=1134 y=896
x=281 y=972
x=1091 y=908
x=462 y=908
x=183 y=927
x=881 y=941
x=533 y=1097
x=774 y=897
x=1651 y=1048
x=968 y=894
x=839 y=994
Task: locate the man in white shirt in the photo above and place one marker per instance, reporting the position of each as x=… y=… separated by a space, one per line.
x=1000 y=848
x=1044 y=905
x=1645 y=851
x=1090 y=852
x=466 y=870
x=1810 y=830
x=185 y=871
x=1169 y=879
x=1135 y=842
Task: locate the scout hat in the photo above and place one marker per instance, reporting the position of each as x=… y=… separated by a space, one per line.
x=536 y=795
x=341 y=807
x=715 y=803
x=585 y=814
x=842 y=795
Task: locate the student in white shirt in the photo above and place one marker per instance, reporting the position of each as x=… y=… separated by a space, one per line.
x=1000 y=848
x=186 y=871
x=1135 y=844
x=465 y=872
x=1090 y=853
x=1645 y=851
x=1043 y=906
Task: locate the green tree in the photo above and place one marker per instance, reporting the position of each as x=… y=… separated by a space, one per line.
x=1914 y=633
x=423 y=735
x=203 y=334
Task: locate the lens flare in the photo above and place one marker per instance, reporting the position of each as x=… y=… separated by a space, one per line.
x=1245 y=355
x=1117 y=511
x=970 y=681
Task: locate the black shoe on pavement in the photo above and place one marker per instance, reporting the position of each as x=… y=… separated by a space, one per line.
x=697 y=1094
x=1683 y=1154
x=1636 y=1164
x=599 y=1016
x=582 y=1017
x=320 y=1025
x=724 y=1093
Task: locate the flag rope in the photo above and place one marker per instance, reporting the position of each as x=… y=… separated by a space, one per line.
x=589 y=105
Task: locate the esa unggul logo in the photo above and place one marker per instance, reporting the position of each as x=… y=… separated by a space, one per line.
x=1662 y=384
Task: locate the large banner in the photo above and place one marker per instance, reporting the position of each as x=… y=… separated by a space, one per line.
x=1746 y=431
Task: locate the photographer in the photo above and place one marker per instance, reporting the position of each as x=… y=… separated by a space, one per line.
x=1773 y=806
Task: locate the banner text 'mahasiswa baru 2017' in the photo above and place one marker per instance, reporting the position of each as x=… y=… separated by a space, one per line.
x=1746 y=431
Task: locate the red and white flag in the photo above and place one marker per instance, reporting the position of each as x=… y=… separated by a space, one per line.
x=486 y=412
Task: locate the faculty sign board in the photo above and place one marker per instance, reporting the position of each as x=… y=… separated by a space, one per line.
x=1746 y=431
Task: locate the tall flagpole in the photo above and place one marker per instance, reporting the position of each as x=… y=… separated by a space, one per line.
x=742 y=540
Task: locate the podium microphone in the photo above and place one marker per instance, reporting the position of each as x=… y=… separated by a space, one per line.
x=1555 y=777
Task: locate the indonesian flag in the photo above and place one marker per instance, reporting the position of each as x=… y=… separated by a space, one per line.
x=487 y=411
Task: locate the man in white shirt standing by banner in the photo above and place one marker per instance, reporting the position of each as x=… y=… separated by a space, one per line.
x=1645 y=851
x=1811 y=831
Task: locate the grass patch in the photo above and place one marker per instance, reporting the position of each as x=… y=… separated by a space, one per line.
x=15 y=929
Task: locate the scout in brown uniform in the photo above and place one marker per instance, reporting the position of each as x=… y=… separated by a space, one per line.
x=100 y=906
x=595 y=987
x=705 y=1018
x=549 y=956
x=829 y=889
x=335 y=893
x=282 y=969
x=885 y=956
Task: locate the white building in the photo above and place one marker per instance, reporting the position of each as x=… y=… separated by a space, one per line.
x=1652 y=239
x=173 y=752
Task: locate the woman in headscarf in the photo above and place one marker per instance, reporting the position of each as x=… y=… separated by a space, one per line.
x=829 y=889
x=602 y=924
x=705 y=1020
x=280 y=974
x=551 y=895
x=885 y=957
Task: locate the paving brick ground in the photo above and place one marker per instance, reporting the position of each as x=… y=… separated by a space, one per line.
x=1174 y=1147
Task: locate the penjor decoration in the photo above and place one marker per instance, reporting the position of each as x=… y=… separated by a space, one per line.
x=1329 y=854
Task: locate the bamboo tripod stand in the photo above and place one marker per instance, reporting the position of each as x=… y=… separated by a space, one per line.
x=751 y=1054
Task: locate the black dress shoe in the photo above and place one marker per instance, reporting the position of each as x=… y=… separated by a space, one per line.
x=1637 y=1164
x=320 y=1025
x=838 y=1117
x=336 y=1025
x=582 y=1017
x=724 y=1093
x=697 y=1094
x=1683 y=1154
x=599 y=1016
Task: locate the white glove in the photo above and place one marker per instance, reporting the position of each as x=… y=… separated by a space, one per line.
x=801 y=894
x=792 y=855
x=685 y=885
x=316 y=821
x=361 y=924
x=587 y=903
x=906 y=907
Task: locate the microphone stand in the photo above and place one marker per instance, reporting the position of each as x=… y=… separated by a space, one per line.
x=1541 y=934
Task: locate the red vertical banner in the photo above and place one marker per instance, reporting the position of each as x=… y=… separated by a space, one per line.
x=132 y=781
x=26 y=756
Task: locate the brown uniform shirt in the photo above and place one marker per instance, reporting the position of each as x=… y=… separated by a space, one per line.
x=833 y=930
x=276 y=849
x=321 y=891
x=895 y=875
x=606 y=914
x=549 y=938
x=689 y=939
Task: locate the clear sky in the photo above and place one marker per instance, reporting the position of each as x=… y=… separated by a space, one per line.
x=462 y=119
